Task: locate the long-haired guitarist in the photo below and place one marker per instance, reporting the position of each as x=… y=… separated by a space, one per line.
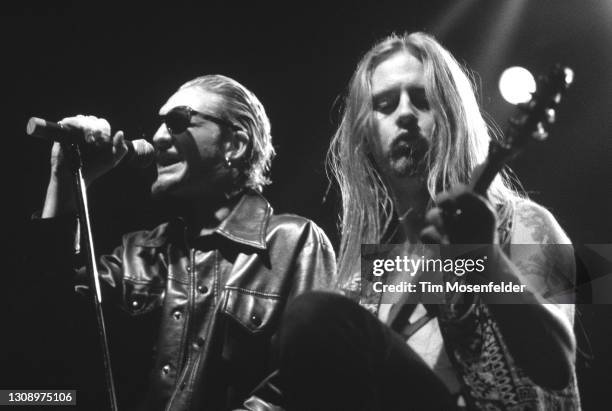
x=406 y=152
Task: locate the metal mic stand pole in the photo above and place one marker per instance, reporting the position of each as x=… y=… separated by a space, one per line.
x=92 y=267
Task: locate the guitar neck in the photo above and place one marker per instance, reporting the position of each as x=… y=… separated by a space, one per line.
x=498 y=156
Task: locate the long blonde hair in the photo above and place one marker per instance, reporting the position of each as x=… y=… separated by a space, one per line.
x=460 y=142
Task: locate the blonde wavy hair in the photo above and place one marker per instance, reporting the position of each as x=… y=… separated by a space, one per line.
x=460 y=142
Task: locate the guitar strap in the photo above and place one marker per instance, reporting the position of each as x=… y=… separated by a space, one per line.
x=402 y=325
x=401 y=322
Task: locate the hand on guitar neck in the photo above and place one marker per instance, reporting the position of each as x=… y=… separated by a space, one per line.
x=463 y=215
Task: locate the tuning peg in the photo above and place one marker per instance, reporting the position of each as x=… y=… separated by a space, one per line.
x=550 y=115
x=562 y=75
x=541 y=133
x=568 y=75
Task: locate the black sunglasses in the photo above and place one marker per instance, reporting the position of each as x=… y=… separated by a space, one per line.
x=179 y=119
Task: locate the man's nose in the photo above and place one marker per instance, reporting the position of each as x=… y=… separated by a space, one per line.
x=406 y=114
x=162 y=138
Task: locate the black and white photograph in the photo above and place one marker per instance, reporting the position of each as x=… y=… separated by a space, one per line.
x=303 y=206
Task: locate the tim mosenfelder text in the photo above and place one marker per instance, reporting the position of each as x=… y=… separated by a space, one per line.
x=457 y=266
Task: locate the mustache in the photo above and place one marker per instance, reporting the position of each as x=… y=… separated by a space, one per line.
x=412 y=141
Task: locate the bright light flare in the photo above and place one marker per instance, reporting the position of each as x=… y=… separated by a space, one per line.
x=516 y=85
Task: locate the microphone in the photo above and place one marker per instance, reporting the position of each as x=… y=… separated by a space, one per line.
x=140 y=152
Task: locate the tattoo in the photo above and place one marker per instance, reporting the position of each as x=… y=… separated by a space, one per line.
x=547 y=267
x=535 y=222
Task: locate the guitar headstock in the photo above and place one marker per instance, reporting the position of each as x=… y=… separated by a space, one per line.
x=531 y=122
x=535 y=116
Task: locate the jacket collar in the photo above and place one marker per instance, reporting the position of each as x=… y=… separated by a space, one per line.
x=246 y=224
x=248 y=221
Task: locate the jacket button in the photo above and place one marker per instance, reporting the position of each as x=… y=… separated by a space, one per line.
x=166 y=369
x=198 y=343
x=256 y=320
x=177 y=315
x=202 y=289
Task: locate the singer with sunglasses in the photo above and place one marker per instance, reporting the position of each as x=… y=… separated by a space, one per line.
x=220 y=272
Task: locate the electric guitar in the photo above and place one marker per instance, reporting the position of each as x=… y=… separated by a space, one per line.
x=531 y=122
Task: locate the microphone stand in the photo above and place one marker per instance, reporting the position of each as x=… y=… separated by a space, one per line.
x=92 y=267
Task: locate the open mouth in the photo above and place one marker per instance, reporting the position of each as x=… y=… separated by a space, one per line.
x=405 y=144
x=165 y=160
x=408 y=154
x=167 y=167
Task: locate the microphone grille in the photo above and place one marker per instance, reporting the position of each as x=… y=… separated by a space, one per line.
x=144 y=153
x=36 y=127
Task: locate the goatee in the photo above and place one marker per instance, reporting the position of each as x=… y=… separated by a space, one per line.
x=408 y=157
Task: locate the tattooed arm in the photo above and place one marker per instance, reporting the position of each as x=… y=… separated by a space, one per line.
x=544 y=254
x=539 y=333
x=536 y=327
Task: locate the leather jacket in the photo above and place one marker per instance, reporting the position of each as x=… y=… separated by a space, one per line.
x=220 y=297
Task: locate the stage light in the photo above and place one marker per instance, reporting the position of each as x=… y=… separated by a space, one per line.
x=516 y=85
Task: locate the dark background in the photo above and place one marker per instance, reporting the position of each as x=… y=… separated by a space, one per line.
x=122 y=63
